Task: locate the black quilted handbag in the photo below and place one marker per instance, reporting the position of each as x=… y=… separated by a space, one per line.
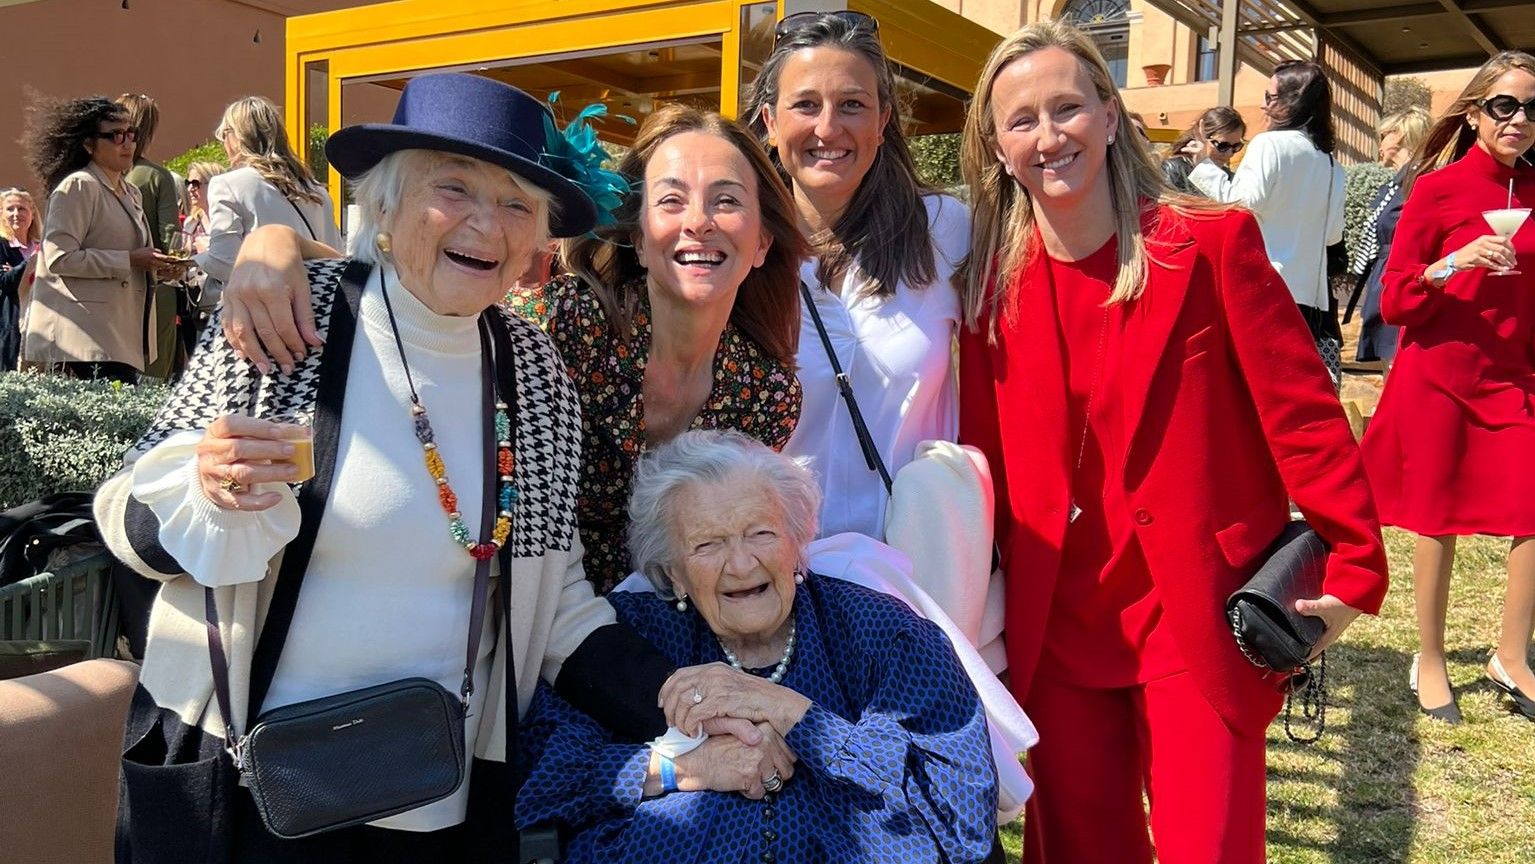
x=1268 y=630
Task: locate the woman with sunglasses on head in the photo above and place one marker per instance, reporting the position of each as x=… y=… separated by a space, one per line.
x=884 y=249
x=91 y=312
x=1146 y=397
x=1452 y=445
x=1291 y=182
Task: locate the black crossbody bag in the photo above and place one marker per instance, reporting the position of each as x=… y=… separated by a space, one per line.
x=1275 y=637
x=363 y=755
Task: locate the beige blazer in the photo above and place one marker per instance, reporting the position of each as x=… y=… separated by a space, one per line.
x=87 y=303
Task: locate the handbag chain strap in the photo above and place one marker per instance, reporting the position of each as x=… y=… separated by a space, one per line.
x=1310 y=684
x=233 y=742
x=845 y=385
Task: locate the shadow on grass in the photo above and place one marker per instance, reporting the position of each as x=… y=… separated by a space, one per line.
x=1368 y=758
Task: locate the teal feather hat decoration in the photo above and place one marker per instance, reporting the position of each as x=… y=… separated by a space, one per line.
x=576 y=154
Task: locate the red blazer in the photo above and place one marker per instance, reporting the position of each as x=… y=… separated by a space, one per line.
x=1230 y=407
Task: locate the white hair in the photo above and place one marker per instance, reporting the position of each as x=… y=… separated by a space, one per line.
x=711 y=456
x=379 y=190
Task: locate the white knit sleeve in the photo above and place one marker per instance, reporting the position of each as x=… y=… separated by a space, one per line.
x=216 y=547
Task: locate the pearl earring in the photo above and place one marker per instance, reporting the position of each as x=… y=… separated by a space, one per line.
x=682 y=602
x=1111 y=140
x=799 y=576
x=383 y=242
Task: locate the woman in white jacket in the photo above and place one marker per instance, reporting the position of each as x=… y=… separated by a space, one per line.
x=269 y=184
x=1292 y=184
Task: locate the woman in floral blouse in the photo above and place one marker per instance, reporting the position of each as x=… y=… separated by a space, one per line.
x=683 y=314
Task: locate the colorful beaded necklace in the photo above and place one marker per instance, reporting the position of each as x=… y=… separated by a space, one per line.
x=507 y=493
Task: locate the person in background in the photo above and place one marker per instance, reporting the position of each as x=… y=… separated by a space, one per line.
x=1451 y=448
x=1139 y=122
x=1218 y=138
x=1146 y=395
x=1291 y=182
x=267 y=184
x=1401 y=134
x=21 y=236
x=197 y=298
x=884 y=248
x=92 y=313
x=162 y=207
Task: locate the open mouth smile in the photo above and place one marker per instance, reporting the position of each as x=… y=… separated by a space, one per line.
x=1058 y=164
x=464 y=259
x=708 y=258
x=747 y=593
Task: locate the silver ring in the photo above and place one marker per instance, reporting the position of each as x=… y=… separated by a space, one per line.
x=698 y=696
x=773 y=783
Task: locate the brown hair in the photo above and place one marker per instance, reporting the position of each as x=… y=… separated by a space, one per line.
x=1221 y=118
x=766 y=306
x=1452 y=136
x=144 y=115
x=1002 y=215
x=1303 y=103
x=261 y=142
x=884 y=229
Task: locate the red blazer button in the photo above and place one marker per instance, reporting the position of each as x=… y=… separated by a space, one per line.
x=1143 y=517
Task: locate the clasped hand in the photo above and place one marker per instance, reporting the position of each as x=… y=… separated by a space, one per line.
x=725 y=763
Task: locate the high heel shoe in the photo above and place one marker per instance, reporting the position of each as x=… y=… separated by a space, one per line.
x=1448 y=712
x=1500 y=678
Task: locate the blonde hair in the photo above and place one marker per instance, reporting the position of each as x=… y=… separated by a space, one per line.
x=1411 y=123
x=203 y=172
x=1001 y=211
x=261 y=142
x=34 y=230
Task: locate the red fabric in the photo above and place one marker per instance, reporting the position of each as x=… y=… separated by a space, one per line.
x=1230 y=408
x=1105 y=616
x=1099 y=749
x=1452 y=445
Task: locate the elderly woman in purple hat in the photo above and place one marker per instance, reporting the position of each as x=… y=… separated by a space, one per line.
x=332 y=531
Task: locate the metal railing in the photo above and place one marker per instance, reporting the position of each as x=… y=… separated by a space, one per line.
x=77 y=601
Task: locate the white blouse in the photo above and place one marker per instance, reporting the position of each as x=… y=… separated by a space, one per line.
x=1285 y=181
x=897 y=353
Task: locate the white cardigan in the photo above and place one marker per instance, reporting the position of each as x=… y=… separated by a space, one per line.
x=240 y=201
x=1285 y=181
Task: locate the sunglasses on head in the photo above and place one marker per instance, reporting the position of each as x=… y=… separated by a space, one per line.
x=119 y=136
x=801 y=20
x=1227 y=146
x=1504 y=108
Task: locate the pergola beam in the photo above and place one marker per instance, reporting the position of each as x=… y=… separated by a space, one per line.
x=1307 y=13
x=1438 y=64
x=1479 y=31
x=1382 y=15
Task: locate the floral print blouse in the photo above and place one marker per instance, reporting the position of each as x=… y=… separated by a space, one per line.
x=753 y=393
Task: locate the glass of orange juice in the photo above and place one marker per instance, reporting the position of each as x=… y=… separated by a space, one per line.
x=301 y=436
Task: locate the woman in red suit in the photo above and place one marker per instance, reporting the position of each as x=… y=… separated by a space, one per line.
x=1452 y=447
x=1146 y=392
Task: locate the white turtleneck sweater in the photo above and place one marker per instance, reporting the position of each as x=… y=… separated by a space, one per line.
x=387 y=591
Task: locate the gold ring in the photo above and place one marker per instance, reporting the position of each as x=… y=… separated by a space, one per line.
x=231 y=485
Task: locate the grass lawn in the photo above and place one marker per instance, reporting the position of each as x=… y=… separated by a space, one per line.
x=1386 y=784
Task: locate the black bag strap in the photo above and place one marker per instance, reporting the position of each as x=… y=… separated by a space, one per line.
x=219 y=659
x=506 y=371
x=303 y=218
x=845 y=385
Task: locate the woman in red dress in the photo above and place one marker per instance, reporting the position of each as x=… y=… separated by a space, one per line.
x=1451 y=449
x=1147 y=393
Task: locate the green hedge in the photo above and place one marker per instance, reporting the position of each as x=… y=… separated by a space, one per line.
x=58 y=434
x=208 y=151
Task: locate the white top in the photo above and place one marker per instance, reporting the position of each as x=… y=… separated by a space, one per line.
x=240 y=201
x=396 y=606
x=897 y=351
x=1284 y=180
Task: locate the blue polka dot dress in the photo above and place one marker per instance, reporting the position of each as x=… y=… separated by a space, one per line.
x=894 y=759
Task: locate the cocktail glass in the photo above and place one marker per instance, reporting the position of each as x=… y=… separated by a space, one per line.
x=1505 y=223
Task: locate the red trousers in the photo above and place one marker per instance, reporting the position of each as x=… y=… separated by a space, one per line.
x=1099 y=750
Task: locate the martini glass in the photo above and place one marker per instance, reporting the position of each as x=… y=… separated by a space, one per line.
x=1506 y=223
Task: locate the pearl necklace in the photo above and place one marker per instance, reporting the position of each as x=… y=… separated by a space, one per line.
x=783 y=662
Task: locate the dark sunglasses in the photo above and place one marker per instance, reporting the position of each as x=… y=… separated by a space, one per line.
x=1504 y=108
x=800 y=20
x=120 y=136
x=1227 y=147
x=194 y=184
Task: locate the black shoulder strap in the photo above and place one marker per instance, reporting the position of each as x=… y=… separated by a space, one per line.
x=845 y=385
x=301 y=216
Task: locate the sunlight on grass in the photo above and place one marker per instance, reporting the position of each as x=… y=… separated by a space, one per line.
x=1386 y=784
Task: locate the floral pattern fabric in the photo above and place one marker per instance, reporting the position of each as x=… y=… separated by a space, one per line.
x=753 y=393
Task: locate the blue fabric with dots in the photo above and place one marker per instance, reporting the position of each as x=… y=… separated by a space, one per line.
x=894 y=760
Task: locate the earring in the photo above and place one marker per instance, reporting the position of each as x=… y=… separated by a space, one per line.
x=799 y=576
x=383 y=242
x=1111 y=140
x=682 y=602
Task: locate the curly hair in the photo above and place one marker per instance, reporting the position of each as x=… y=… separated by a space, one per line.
x=57 y=130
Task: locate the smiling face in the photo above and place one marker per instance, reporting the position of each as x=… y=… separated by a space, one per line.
x=828 y=122
x=734 y=558
x=18 y=216
x=464 y=232
x=1509 y=139
x=700 y=220
x=106 y=153
x=1051 y=128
